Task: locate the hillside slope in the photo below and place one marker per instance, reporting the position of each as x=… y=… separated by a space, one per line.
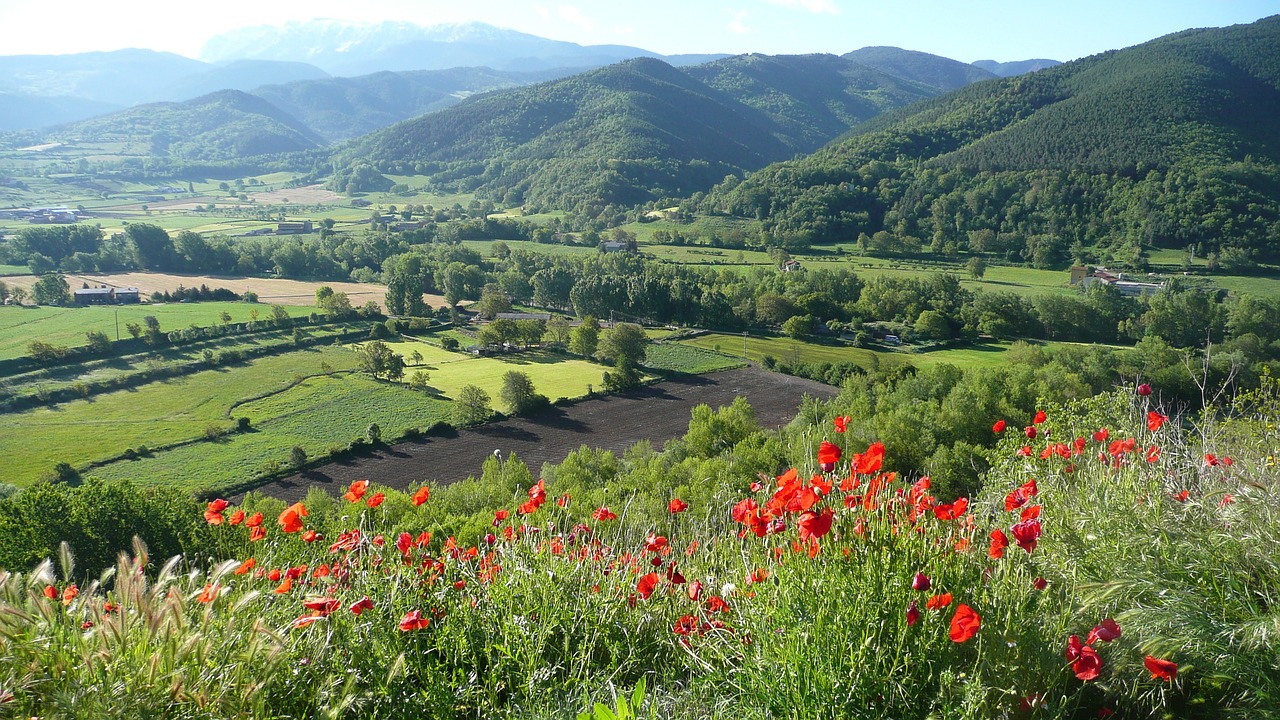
x=1166 y=144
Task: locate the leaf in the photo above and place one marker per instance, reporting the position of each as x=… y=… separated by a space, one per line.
x=604 y=713
x=637 y=696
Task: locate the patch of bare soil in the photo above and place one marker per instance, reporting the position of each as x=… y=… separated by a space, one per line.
x=308 y=195
x=656 y=413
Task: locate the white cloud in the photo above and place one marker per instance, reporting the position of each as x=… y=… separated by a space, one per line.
x=737 y=25
x=813 y=6
x=543 y=13
x=572 y=14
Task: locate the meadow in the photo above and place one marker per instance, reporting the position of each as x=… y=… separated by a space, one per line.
x=554 y=375
x=67 y=325
x=1127 y=572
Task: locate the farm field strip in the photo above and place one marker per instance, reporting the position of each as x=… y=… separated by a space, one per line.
x=555 y=376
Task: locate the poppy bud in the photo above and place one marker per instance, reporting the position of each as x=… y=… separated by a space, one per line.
x=1144 y=389
x=1031 y=432
x=921 y=582
x=490 y=539
x=827 y=467
x=913 y=614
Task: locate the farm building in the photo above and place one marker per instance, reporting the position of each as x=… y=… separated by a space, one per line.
x=104 y=295
x=294 y=228
x=1088 y=277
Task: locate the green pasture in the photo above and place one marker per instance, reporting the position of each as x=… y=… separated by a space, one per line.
x=556 y=376
x=161 y=413
x=319 y=415
x=14 y=270
x=485 y=247
x=785 y=349
x=684 y=358
x=68 y=325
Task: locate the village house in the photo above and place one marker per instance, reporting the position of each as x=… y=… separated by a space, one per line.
x=103 y=295
x=1087 y=277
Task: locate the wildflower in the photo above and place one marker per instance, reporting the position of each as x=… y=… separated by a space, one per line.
x=1030 y=431
x=814 y=525
x=694 y=590
x=359 y=606
x=828 y=456
x=1226 y=500
x=290 y=518
x=677 y=506
x=1144 y=390
x=257 y=534
x=999 y=541
x=70 y=594
x=964 y=624
x=306 y=621
x=421 y=495
x=921 y=582
x=1087 y=664
x=842 y=423
x=998 y=427
x=1153 y=454
x=209 y=594
x=254 y=520
x=563 y=500
x=213 y=513
x=357 y=490
x=1026 y=534
x=1101 y=435
x=938 y=602
x=1040 y=417
x=951 y=511
x=1182 y=496
x=913 y=614
x=604 y=513
x=376 y=499
x=236 y=518
x=1039 y=583
x=647 y=585
x=310 y=536
x=1106 y=632
x=284 y=587
x=1155 y=420
x=321 y=605
x=413 y=620
x=1161 y=669
x=869 y=462
x=50 y=592
x=246 y=566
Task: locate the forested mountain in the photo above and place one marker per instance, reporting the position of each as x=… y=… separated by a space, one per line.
x=1015 y=67
x=24 y=110
x=341 y=108
x=225 y=125
x=932 y=70
x=347 y=49
x=633 y=132
x=1172 y=143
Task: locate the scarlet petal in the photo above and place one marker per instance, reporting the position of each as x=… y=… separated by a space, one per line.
x=1088 y=665
x=965 y=624
x=1161 y=669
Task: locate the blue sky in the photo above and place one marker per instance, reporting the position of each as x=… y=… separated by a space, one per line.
x=968 y=31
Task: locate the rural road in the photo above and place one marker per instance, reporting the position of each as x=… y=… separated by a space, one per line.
x=656 y=413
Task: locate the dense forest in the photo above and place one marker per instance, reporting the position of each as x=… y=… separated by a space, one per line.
x=1168 y=144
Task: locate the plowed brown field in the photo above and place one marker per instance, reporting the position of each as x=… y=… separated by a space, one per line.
x=656 y=413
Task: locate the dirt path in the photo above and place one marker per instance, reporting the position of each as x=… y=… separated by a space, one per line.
x=656 y=413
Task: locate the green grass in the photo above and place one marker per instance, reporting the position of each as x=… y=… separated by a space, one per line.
x=677 y=357
x=556 y=376
x=788 y=350
x=14 y=270
x=67 y=326
x=318 y=415
x=83 y=431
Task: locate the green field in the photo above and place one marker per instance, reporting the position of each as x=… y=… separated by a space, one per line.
x=685 y=358
x=82 y=431
x=67 y=326
x=14 y=270
x=556 y=376
x=318 y=415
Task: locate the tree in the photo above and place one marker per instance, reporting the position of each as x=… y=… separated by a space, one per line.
x=151 y=244
x=418 y=380
x=492 y=301
x=623 y=345
x=98 y=341
x=558 y=331
x=373 y=433
x=153 y=336
x=585 y=338
x=933 y=325
x=134 y=329
x=518 y=393
x=977 y=267
x=376 y=358
x=298 y=457
x=799 y=326
x=499 y=332
x=417 y=357
x=45 y=352
x=51 y=289
x=18 y=295
x=471 y=407
x=530 y=332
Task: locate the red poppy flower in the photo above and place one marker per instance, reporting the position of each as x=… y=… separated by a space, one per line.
x=869 y=462
x=647 y=585
x=964 y=624
x=1226 y=500
x=359 y=606
x=413 y=620
x=246 y=566
x=1073 y=647
x=1030 y=431
x=998 y=427
x=213 y=513
x=256 y=534
x=310 y=536
x=913 y=614
x=828 y=456
x=1182 y=496
x=921 y=582
x=253 y=520
x=1144 y=389
x=1030 y=512
x=1101 y=435
x=604 y=513
x=284 y=587
x=951 y=511
x=421 y=496
x=1040 y=417
x=999 y=541
x=356 y=491
x=842 y=423
x=563 y=500
x=274 y=575
x=715 y=603
x=814 y=525
x=938 y=602
x=375 y=499
x=306 y=621
x=745 y=510
x=694 y=590
x=236 y=518
x=1107 y=631
x=50 y=592
x=758 y=575
x=1153 y=454
x=290 y=518
x=322 y=605
x=686 y=625
x=1026 y=534
x=70 y=594
x=677 y=506
x=1088 y=664
x=1161 y=669
x=1039 y=583
x=1155 y=420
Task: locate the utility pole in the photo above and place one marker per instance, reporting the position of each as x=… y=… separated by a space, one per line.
x=117 y=324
